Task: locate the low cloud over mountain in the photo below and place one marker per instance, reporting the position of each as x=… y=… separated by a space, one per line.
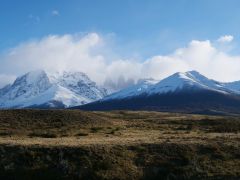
x=92 y=54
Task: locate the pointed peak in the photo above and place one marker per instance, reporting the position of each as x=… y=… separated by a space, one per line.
x=196 y=75
x=187 y=72
x=178 y=75
x=193 y=72
x=32 y=77
x=188 y=75
x=34 y=73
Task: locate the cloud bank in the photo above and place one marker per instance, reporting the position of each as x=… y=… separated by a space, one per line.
x=85 y=53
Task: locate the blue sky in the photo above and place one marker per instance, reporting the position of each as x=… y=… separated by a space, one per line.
x=111 y=39
x=144 y=27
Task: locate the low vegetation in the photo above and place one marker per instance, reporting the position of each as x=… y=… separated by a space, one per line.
x=71 y=144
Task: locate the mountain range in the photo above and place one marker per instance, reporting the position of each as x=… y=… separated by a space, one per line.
x=181 y=92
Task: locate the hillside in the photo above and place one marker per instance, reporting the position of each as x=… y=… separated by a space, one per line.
x=71 y=144
x=188 y=92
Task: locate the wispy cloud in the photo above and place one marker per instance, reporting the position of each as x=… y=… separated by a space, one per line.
x=5 y=79
x=55 y=13
x=226 y=38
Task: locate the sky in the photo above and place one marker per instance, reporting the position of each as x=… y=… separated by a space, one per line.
x=110 y=40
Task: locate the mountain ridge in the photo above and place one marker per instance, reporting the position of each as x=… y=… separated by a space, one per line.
x=39 y=89
x=181 y=92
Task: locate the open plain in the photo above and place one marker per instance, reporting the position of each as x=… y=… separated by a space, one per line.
x=73 y=144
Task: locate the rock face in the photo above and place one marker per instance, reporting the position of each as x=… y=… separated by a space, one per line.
x=38 y=89
x=184 y=92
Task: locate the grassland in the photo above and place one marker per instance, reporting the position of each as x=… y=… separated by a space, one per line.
x=72 y=144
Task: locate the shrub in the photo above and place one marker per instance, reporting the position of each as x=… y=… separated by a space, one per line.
x=5 y=133
x=81 y=134
x=42 y=135
x=96 y=129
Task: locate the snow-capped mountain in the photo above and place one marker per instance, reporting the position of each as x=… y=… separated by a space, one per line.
x=188 y=80
x=38 y=89
x=191 y=80
x=188 y=90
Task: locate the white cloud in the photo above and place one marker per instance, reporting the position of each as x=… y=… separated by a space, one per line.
x=200 y=56
x=225 y=39
x=5 y=79
x=55 y=13
x=85 y=53
x=55 y=53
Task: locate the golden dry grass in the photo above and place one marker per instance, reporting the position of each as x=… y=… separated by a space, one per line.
x=118 y=145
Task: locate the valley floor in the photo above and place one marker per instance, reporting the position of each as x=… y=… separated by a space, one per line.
x=72 y=144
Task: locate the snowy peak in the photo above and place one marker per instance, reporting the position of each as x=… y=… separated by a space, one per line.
x=36 y=88
x=181 y=81
x=34 y=76
x=202 y=80
x=31 y=78
x=30 y=84
x=190 y=79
